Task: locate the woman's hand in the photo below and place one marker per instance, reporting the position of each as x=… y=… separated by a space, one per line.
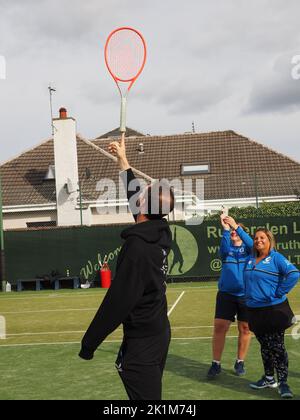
x=231 y=222
x=225 y=225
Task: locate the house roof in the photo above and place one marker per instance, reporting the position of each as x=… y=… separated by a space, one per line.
x=235 y=161
x=116 y=133
x=23 y=180
x=237 y=164
x=22 y=177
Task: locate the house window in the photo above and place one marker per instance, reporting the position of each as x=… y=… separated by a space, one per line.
x=194 y=169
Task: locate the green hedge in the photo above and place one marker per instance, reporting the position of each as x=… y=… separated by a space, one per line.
x=264 y=210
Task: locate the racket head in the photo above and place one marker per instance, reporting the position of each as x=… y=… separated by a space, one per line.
x=125 y=54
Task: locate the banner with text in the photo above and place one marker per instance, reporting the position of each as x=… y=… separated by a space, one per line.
x=77 y=251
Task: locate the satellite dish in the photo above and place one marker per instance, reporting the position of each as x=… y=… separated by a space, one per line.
x=70 y=186
x=50 y=175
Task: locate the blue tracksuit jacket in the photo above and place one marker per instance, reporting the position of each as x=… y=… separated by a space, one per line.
x=233 y=263
x=268 y=282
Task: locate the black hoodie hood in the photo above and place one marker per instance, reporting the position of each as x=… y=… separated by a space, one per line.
x=152 y=231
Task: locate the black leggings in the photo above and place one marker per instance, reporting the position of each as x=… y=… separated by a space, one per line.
x=274 y=355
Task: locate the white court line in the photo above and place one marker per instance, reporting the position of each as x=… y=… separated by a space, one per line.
x=44 y=344
x=84 y=294
x=83 y=331
x=199 y=326
x=117 y=331
x=79 y=295
x=45 y=333
x=177 y=300
x=110 y=341
x=51 y=310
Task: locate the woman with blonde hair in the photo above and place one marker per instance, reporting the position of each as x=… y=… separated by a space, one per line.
x=269 y=277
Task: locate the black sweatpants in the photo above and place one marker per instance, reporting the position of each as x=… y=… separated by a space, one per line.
x=141 y=363
x=274 y=355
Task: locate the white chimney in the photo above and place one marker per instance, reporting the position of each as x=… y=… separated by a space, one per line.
x=66 y=169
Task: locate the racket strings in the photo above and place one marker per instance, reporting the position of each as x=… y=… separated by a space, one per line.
x=125 y=55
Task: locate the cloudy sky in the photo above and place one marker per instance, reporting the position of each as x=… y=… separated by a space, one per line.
x=224 y=64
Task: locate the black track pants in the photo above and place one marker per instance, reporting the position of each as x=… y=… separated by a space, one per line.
x=141 y=363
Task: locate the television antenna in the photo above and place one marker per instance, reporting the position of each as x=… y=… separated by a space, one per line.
x=51 y=90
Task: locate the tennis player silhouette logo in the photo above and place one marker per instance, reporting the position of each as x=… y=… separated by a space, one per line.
x=178 y=257
x=184 y=252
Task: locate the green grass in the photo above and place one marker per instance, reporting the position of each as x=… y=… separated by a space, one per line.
x=38 y=360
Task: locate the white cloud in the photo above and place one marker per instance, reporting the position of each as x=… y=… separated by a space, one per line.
x=276 y=91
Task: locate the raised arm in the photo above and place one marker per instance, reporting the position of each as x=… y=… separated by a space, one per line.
x=225 y=241
x=248 y=241
x=119 y=150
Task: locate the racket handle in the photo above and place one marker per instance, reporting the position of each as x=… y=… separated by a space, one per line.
x=123 y=115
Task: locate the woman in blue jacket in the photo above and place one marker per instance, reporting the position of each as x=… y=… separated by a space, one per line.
x=269 y=276
x=236 y=246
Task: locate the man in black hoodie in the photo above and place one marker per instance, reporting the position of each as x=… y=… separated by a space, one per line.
x=137 y=296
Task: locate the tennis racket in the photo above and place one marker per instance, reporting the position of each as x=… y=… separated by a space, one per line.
x=125 y=56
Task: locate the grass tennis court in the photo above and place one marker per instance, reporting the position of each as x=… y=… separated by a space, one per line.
x=38 y=359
